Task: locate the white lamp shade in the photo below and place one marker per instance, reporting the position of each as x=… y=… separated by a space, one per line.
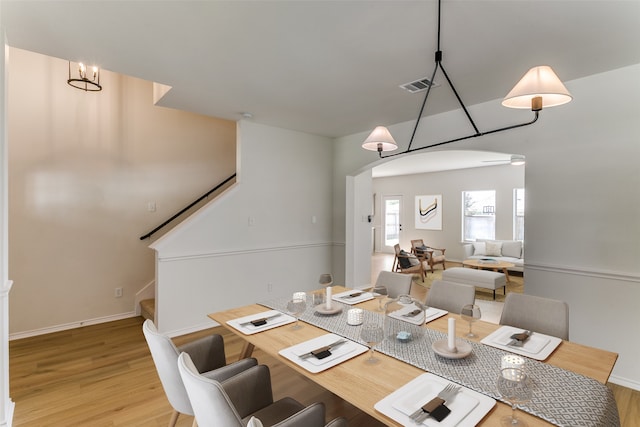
x=541 y=82
x=380 y=137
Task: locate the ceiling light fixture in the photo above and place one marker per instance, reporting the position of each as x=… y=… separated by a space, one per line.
x=540 y=87
x=82 y=82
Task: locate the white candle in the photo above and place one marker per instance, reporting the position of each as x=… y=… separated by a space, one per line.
x=354 y=316
x=327 y=303
x=451 y=339
x=512 y=361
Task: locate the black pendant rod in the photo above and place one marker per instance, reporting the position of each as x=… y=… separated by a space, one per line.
x=438 y=64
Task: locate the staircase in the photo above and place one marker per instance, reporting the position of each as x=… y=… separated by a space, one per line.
x=148 y=305
x=148 y=308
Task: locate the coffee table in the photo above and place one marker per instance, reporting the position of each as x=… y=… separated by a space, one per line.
x=489 y=265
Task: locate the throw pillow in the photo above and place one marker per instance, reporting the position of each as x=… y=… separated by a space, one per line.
x=403 y=259
x=420 y=250
x=479 y=248
x=413 y=260
x=493 y=248
x=254 y=422
x=512 y=249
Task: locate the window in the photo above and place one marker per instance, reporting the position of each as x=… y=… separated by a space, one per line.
x=518 y=214
x=479 y=215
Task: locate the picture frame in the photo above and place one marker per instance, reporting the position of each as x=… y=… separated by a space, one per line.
x=428 y=212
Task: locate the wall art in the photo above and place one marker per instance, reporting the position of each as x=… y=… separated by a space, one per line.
x=429 y=212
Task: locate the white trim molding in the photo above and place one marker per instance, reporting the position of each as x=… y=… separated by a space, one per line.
x=243 y=251
x=8 y=406
x=581 y=271
x=71 y=325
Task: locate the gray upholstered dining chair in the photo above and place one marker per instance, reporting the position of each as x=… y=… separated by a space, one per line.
x=537 y=314
x=236 y=400
x=207 y=354
x=450 y=296
x=396 y=283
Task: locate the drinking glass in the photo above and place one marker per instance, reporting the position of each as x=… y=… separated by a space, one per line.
x=470 y=313
x=515 y=387
x=379 y=292
x=326 y=279
x=296 y=307
x=372 y=334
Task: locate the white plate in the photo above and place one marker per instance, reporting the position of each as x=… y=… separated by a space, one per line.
x=467 y=407
x=366 y=296
x=434 y=313
x=340 y=354
x=429 y=315
x=538 y=346
x=441 y=347
x=248 y=329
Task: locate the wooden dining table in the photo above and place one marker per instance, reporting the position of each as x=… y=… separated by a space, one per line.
x=363 y=384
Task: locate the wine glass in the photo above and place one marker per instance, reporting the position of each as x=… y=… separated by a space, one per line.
x=326 y=279
x=372 y=334
x=514 y=386
x=379 y=292
x=470 y=313
x=296 y=307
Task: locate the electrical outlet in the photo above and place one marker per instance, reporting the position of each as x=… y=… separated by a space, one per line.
x=118 y=292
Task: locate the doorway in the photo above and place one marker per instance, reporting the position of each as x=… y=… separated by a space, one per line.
x=392 y=222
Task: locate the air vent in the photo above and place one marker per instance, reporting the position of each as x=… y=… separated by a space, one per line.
x=418 y=85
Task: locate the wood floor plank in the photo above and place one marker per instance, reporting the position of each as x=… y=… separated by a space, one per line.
x=103 y=376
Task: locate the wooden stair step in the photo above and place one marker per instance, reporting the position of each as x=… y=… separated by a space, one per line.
x=148 y=308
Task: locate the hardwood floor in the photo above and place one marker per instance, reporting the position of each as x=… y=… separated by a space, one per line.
x=103 y=375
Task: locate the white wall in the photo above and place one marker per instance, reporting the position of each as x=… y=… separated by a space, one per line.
x=268 y=236
x=82 y=169
x=360 y=207
x=6 y=404
x=582 y=202
x=450 y=184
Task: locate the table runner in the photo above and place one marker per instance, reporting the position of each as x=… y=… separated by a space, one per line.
x=561 y=397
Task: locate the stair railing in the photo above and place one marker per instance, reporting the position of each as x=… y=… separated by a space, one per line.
x=192 y=204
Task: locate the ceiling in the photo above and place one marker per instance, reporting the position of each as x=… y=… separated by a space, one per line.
x=438 y=161
x=328 y=67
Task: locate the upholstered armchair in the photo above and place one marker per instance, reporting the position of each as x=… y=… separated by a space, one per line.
x=428 y=253
x=246 y=400
x=208 y=358
x=407 y=263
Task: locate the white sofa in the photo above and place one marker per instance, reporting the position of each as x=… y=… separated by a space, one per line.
x=501 y=250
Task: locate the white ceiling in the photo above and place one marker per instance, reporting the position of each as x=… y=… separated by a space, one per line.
x=329 y=67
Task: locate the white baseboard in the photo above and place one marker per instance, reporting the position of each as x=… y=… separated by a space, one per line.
x=72 y=325
x=8 y=421
x=624 y=382
x=192 y=329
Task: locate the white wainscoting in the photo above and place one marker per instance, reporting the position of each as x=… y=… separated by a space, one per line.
x=190 y=287
x=598 y=317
